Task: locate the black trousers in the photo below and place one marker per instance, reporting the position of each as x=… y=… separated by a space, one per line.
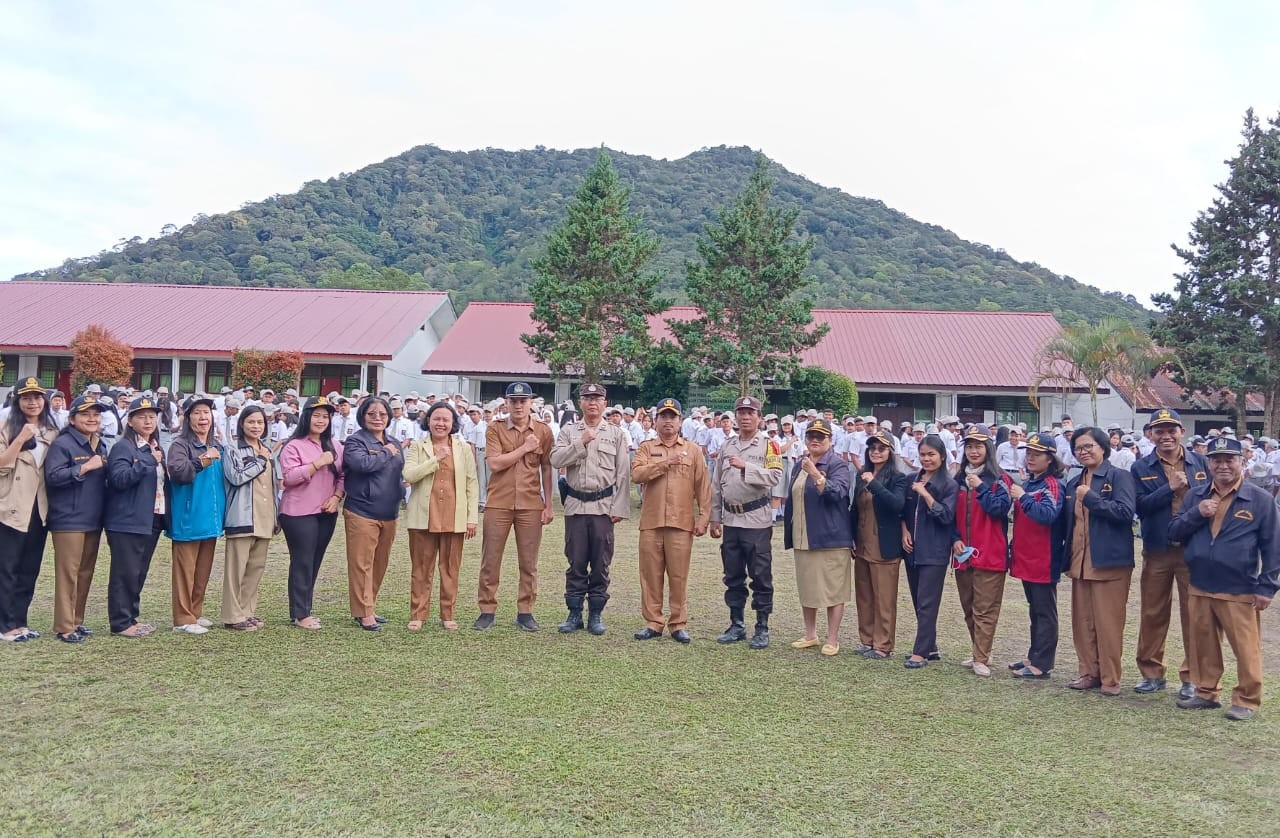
x=588 y=545
x=20 y=557
x=1042 y=603
x=308 y=537
x=926 y=582
x=130 y=561
x=748 y=551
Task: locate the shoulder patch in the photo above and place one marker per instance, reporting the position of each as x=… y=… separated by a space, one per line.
x=1244 y=515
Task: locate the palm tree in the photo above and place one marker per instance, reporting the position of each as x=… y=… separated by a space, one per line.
x=1091 y=354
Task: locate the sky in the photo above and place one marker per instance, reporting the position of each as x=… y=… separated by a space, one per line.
x=1081 y=136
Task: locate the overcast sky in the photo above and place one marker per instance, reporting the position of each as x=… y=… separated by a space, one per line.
x=1082 y=136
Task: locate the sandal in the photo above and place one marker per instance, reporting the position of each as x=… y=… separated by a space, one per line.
x=1026 y=674
x=874 y=655
x=135 y=630
x=449 y=625
x=912 y=663
x=414 y=625
x=308 y=623
x=243 y=625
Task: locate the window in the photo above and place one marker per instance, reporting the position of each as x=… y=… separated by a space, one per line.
x=50 y=368
x=217 y=374
x=150 y=373
x=9 y=377
x=318 y=379
x=186 y=376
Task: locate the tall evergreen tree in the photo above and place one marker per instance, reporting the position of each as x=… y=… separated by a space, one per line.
x=1224 y=317
x=591 y=295
x=748 y=284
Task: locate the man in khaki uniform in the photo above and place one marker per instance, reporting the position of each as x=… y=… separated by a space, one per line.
x=1232 y=540
x=597 y=462
x=519 y=455
x=746 y=470
x=674 y=475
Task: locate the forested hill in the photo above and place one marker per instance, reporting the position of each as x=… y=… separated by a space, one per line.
x=471 y=221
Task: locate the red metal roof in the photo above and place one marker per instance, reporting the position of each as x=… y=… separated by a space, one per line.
x=214 y=319
x=1163 y=391
x=942 y=349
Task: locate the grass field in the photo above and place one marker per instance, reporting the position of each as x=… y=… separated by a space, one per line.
x=344 y=732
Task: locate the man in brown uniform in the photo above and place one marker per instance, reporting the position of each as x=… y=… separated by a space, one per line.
x=597 y=462
x=674 y=475
x=518 y=451
x=746 y=470
x=1232 y=543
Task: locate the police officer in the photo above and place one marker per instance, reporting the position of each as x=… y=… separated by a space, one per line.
x=597 y=462
x=1162 y=479
x=1232 y=549
x=746 y=470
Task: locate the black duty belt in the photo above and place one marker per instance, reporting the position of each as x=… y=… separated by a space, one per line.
x=585 y=497
x=749 y=506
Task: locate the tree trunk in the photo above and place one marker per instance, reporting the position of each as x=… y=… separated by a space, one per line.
x=1093 y=402
x=1269 y=415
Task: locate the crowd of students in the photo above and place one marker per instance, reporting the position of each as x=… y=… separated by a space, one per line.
x=857 y=503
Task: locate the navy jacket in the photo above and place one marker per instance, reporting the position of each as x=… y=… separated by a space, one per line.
x=1110 y=503
x=131 y=481
x=372 y=476
x=1155 y=498
x=888 y=496
x=1243 y=559
x=826 y=513
x=931 y=528
x=76 y=501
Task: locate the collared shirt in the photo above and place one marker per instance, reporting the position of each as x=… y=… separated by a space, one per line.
x=520 y=485
x=1178 y=466
x=604 y=462
x=1010 y=457
x=671 y=491
x=1224 y=504
x=1082 y=550
x=740 y=486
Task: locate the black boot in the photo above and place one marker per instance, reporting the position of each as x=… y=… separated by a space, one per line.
x=736 y=630
x=760 y=640
x=595 y=615
x=574 y=621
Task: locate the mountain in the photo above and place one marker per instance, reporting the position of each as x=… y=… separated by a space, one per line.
x=469 y=222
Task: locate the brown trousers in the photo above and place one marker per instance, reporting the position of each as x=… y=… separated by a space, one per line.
x=368 y=550
x=875 y=594
x=75 y=555
x=246 y=559
x=1242 y=624
x=665 y=554
x=425 y=549
x=192 y=564
x=1097 y=626
x=981 y=595
x=498 y=524
x=1161 y=570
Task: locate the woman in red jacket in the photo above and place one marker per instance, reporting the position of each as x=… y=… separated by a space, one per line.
x=980 y=549
x=1037 y=552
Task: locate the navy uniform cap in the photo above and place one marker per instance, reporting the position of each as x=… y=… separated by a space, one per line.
x=817 y=426
x=30 y=385
x=1226 y=446
x=592 y=390
x=884 y=438
x=318 y=402
x=1165 y=416
x=670 y=406
x=1041 y=442
x=81 y=404
x=143 y=403
x=519 y=390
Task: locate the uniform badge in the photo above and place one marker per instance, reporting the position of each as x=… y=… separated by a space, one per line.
x=1200 y=475
x=1244 y=515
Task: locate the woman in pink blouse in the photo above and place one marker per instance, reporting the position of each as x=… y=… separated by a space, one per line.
x=311 y=462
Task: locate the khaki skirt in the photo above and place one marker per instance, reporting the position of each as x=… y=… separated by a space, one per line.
x=824 y=577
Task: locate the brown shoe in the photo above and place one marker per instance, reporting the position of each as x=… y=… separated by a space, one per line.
x=1085 y=682
x=1110 y=692
x=244 y=625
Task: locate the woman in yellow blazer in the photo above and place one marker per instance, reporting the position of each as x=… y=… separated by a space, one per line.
x=444 y=509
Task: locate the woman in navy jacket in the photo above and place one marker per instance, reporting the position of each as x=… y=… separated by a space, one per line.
x=75 y=475
x=372 y=463
x=1097 y=517
x=135 y=514
x=816 y=516
x=877 y=531
x=928 y=524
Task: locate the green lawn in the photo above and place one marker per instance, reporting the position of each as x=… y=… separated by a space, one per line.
x=347 y=732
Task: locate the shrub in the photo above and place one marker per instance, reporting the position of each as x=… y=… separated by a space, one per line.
x=258 y=369
x=97 y=357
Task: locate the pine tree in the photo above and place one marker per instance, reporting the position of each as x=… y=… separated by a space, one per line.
x=748 y=284
x=591 y=296
x=1224 y=317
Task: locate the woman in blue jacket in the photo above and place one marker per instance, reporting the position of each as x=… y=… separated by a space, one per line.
x=372 y=462
x=816 y=516
x=196 y=511
x=135 y=514
x=1098 y=535
x=928 y=523
x=75 y=476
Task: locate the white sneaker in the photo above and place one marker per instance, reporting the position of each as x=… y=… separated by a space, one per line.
x=981 y=670
x=967 y=663
x=204 y=622
x=191 y=628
